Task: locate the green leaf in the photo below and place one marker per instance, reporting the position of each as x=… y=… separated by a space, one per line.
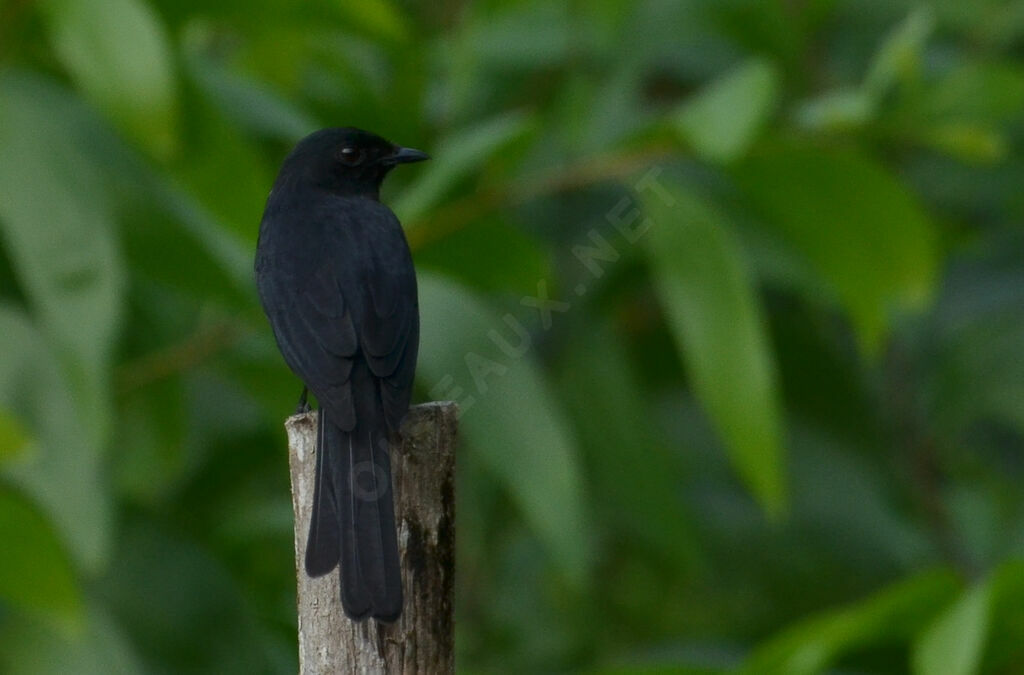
x=100 y=647
x=899 y=57
x=954 y=643
x=212 y=241
x=858 y=226
x=380 y=18
x=662 y=667
x=35 y=572
x=58 y=224
x=246 y=102
x=976 y=373
x=63 y=474
x=593 y=115
x=836 y=110
x=841 y=495
x=528 y=35
x=965 y=113
x=174 y=255
x=149 y=444
x=206 y=622
x=977 y=92
x=887 y=618
x=1006 y=621
x=967 y=142
x=508 y=416
x=492 y=255
x=14 y=439
x=118 y=53
x=638 y=479
x=458 y=157
x=723 y=119
x=715 y=317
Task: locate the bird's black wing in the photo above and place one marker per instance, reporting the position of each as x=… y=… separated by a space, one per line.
x=352 y=299
x=346 y=320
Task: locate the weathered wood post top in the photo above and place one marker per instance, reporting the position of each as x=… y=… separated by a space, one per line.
x=423 y=480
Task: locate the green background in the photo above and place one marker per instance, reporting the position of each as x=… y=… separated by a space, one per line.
x=775 y=423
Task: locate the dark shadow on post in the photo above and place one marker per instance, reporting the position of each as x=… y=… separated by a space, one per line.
x=423 y=475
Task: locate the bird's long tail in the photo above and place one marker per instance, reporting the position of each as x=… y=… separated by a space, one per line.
x=353 y=521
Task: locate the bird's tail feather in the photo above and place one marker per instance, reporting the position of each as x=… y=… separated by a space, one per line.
x=323 y=548
x=356 y=474
x=370 y=517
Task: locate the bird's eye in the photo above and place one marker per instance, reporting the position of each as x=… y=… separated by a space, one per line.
x=350 y=156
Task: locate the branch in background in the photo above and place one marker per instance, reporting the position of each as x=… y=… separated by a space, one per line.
x=924 y=465
x=588 y=171
x=208 y=340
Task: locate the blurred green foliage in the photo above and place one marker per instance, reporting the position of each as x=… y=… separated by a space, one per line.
x=731 y=293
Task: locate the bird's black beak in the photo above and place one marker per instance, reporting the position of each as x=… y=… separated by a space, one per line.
x=406 y=155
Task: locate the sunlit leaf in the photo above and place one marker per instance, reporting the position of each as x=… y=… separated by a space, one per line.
x=716 y=319
x=508 y=415
x=35 y=572
x=722 y=120
x=889 y=617
x=859 y=227
x=954 y=642
x=118 y=53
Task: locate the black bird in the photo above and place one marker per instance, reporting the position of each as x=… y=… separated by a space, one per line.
x=336 y=280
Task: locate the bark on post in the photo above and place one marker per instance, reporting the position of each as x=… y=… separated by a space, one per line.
x=423 y=475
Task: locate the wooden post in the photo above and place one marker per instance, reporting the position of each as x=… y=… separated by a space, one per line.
x=423 y=474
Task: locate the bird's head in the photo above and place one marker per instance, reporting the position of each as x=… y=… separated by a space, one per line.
x=347 y=160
